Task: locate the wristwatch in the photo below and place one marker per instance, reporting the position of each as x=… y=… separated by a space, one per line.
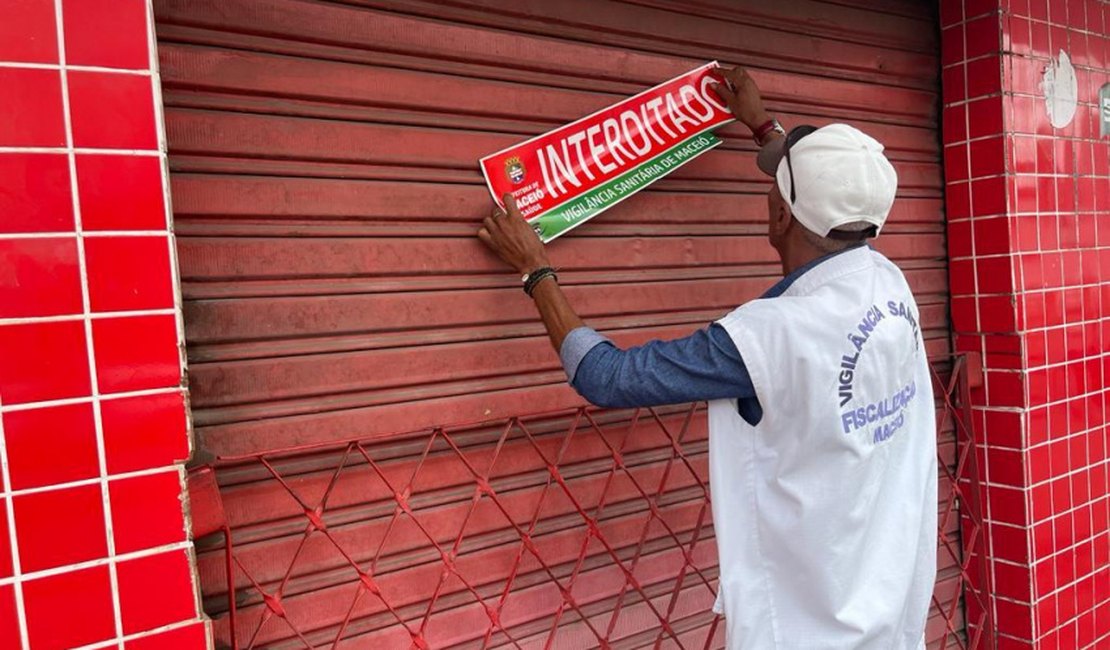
x=770 y=126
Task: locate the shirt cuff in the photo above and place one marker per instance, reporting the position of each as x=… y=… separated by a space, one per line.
x=577 y=343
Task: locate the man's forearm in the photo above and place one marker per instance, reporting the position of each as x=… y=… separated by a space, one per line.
x=558 y=316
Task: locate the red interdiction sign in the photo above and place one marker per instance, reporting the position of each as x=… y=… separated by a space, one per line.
x=563 y=178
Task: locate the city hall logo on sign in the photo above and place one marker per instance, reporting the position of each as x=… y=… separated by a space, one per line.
x=514 y=169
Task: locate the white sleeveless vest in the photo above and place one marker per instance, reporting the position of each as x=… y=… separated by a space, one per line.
x=826 y=511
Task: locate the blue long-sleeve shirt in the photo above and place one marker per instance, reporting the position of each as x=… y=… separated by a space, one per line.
x=702 y=366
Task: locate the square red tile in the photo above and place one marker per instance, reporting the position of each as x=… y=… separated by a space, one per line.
x=1007 y=505
x=1046 y=162
x=1039 y=39
x=1024 y=230
x=958 y=200
x=1034 y=306
x=1007 y=466
x=1018 y=34
x=988 y=198
x=1097 y=447
x=43 y=361
x=190 y=637
x=1066 y=231
x=136 y=353
x=156 y=590
x=959 y=239
x=1037 y=346
x=984 y=76
x=952 y=45
x=1004 y=428
x=1084 y=158
x=1014 y=619
x=984 y=117
x=965 y=314
x=35 y=193
x=1065 y=201
x=1083 y=532
x=60 y=527
x=144 y=432
x=1032 y=270
x=39 y=277
x=987 y=157
x=128 y=273
x=956 y=163
x=1073 y=306
x=996 y=314
x=52 y=445
x=1063 y=156
x=9 y=619
x=110 y=35
x=32 y=108
x=984 y=36
x=1086 y=192
x=954 y=118
x=1012 y=581
x=1023 y=154
x=28 y=33
x=951 y=12
x=120 y=192
x=995 y=275
x=70 y=609
x=961 y=275
x=112 y=110
x=146 y=511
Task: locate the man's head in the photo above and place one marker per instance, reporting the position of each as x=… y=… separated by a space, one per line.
x=833 y=188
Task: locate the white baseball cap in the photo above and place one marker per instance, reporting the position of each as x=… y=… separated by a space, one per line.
x=834 y=178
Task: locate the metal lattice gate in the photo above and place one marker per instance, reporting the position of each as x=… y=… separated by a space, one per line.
x=615 y=550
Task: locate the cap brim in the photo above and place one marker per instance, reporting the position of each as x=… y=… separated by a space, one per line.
x=770 y=155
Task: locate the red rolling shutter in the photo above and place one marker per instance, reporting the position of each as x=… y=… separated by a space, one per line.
x=326 y=192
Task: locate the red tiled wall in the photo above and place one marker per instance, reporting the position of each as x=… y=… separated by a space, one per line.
x=1029 y=242
x=94 y=548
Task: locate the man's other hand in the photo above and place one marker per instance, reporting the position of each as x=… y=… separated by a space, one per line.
x=514 y=241
x=742 y=98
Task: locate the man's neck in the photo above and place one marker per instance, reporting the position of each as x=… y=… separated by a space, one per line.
x=794 y=260
x=791 y=263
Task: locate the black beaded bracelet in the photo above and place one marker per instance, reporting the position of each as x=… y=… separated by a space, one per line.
x=537 y=276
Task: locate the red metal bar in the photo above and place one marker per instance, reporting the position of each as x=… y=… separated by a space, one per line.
x=610 y=576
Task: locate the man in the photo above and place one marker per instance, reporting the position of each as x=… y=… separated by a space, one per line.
x=822 y=438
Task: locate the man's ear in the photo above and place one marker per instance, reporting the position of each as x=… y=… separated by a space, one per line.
x=781 y=219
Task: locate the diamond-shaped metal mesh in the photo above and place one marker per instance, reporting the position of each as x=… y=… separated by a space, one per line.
x=585 y=529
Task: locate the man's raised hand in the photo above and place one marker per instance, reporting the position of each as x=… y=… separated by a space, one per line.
x=742 y=97
x=509 y=235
